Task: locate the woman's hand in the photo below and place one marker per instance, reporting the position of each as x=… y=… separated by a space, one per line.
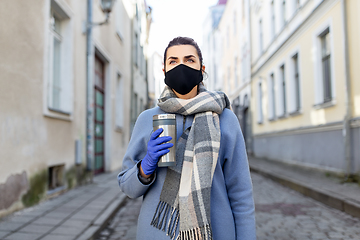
x=156 y=147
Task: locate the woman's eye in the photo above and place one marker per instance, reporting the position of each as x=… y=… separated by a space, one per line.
x=171 y=62
x=190 y=60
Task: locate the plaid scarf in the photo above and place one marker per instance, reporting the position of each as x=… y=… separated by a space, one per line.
x=185 y=196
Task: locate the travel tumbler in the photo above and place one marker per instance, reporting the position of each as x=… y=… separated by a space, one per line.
x=168 y=123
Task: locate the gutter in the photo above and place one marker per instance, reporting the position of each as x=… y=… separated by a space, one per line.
x=132 y=75
x=348 y=114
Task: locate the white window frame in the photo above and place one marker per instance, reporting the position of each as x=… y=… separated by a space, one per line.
x=283 y=12
x=136 y=49
x=65 y=109
x=272 y=19
x=244 y=71
x=119 y=15
x=272 y=96
x=119 y=104
x=228 y=36
x=236 y=76
x=292 y=83
x=228 y=77
x=260 y=93
x=280 y=101
x=318 y=73
x=261 y=36
x=234 y=22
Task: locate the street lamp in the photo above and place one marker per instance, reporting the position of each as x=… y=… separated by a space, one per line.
x=106 y=6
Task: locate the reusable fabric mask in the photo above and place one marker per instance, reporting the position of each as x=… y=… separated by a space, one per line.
x=183 y=78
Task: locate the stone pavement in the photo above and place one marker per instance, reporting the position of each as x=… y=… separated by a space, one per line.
x=284 y=214
x=281 y=214
x=77 y=214
x=124 y=224
x=326 y=189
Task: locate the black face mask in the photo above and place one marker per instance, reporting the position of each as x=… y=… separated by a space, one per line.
x=183 y=78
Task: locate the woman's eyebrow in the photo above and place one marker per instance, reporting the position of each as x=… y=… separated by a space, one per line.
x=189 y=56
x=172 y=57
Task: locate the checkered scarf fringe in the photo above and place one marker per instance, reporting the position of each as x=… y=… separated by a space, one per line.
x=185 y=196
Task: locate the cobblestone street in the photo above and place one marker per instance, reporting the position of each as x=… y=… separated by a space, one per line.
x=281 y=214
x=284 y=214
x=123 y=225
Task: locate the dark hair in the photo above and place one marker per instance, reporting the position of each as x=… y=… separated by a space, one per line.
x=184 y=41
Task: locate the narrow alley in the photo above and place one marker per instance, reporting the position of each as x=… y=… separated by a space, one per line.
x=281 y=214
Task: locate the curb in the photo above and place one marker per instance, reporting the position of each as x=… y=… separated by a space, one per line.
x=326 y=197
x=99 y=223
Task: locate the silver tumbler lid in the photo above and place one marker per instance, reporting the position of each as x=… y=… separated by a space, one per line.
x=164 y=116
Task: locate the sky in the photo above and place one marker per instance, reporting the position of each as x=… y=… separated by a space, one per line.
x=173 y=18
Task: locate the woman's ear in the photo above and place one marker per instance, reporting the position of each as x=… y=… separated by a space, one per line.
x=163 y=71
x=203 y=69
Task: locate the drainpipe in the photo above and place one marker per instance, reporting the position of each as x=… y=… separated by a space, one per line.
x=250 y=111
x=132 y=77
x=348 y=114
x=89 y=91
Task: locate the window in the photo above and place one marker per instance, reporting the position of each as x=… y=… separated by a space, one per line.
x=141 y=62
x=244 y=70
x=229 y=77
x=56 y=177
x=272 y=101
x=324 y=71
x=137 y=11
x=214 y=43
x=141 y=105
x=136 y=52
x=119 y=19
x=56 y=39
x=119 y=102
x=283 y=12
x=228 y=36
x=235 y=72
x=326 y=66
x=234 y=23
x=295 y=61
x=243 y=9
x=260 y=37
x=260 y=105
x=59 y=63
x=272 y=19
x=283 y=89
x=135 y=111
x=215 y=73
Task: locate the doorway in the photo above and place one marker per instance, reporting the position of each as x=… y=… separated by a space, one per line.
x=99 y=117
x=244 y=123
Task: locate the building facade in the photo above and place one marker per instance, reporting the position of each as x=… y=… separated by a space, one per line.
x=212 y=46
x=305 y=93
x=140 y=33
x=227 y=50
x=289 y=68
x=156 y=78
x=43 y=95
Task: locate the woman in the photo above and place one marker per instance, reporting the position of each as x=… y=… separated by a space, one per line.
x=208 y=194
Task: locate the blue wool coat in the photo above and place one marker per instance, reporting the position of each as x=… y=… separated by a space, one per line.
x=232 y=205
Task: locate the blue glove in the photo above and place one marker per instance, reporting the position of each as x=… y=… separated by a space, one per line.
x=156 y=147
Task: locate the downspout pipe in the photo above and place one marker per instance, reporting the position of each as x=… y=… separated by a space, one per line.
x=89 y=90
x=348 y=114
x=250 y=137
x=132 y=59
